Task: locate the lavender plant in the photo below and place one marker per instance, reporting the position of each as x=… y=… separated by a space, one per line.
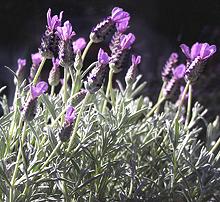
x=86 y=142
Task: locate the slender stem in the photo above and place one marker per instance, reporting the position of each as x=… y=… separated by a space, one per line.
x=86 y=50
x=13 y=123
x=52 y=90
x=52 y=154
x=215 y=146
x=76 y=83
x=65 y=92
x=160 y=96
x=181 y=102
x=108 y=91
x=88 y=69
x=11 y=198
x=189 y=106
x=155 y=107
x=77 y=122
x=39 y=71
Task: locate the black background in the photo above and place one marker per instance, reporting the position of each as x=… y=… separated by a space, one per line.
x=159 y=26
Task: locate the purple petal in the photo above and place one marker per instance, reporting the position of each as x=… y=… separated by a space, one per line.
x=195 y=50
x=79 y=44
x=21 y=64
x=103 y=57
x=36 y=58
x=118 y=15
x=39 y=89
x=65 y=32
x=127 y=41
x=185 y=50
x=135 y=60
x=53 y=22
x=122 y=27
x=179 y=71
x=207 y=51
x=70 y=114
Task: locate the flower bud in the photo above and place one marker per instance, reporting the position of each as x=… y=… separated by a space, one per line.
x=54 y=75
x=78 y=97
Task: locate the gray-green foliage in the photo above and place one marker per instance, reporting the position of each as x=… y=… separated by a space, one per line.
x=118 y=155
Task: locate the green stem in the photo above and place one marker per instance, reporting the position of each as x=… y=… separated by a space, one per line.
x=216 y=145
x=39 y=71
x=76 y=84
x=52 y=154
x=155 y=107
x=52 y=90
x=65 y=92
x=88 y=69
x=160 y=96
x=189 y=106
x=181 y=102
x=72 y=138
x=108 y=91
x=13 y=123
x=86 y=50
x=12 y=189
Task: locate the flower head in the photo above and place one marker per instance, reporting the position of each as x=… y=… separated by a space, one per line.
x=70 y=115
x=53 y=22
x=66 y=32
x=132 y=71
x=21 y=64
x=36 y=59
x=201 y=50
x=127 y=41
x=39 y=89
x=79 y=44
x=118 y=15
x=103 y=57
x=179 y=71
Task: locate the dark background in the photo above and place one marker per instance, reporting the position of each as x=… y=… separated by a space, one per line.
x=159 y=26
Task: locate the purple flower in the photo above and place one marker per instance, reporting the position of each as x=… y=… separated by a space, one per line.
x=36 y=59
x=122 y=27
x=66 y=32
x=201 y=50
x=39 y=89
x=70 y=115
x=21 y=64
x=179 y=71
x=103 y=57
x=127 y=41
x=79 y=44
x=132 y=71
x=118 y=15
x=54 y=22
x=135 y=60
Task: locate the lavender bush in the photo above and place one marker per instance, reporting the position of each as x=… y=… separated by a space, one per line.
x=85 y=142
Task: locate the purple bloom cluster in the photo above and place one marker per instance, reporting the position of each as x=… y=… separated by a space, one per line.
x=119 y=19
x=196 y=58
x=171 y=85
x=36 y=60
x=54 y=75
x=201 y=50
x=132 y=71
x=170 y=64
x=29 y=109
x=20 y=70
x=96 y=77
x=66 y=130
